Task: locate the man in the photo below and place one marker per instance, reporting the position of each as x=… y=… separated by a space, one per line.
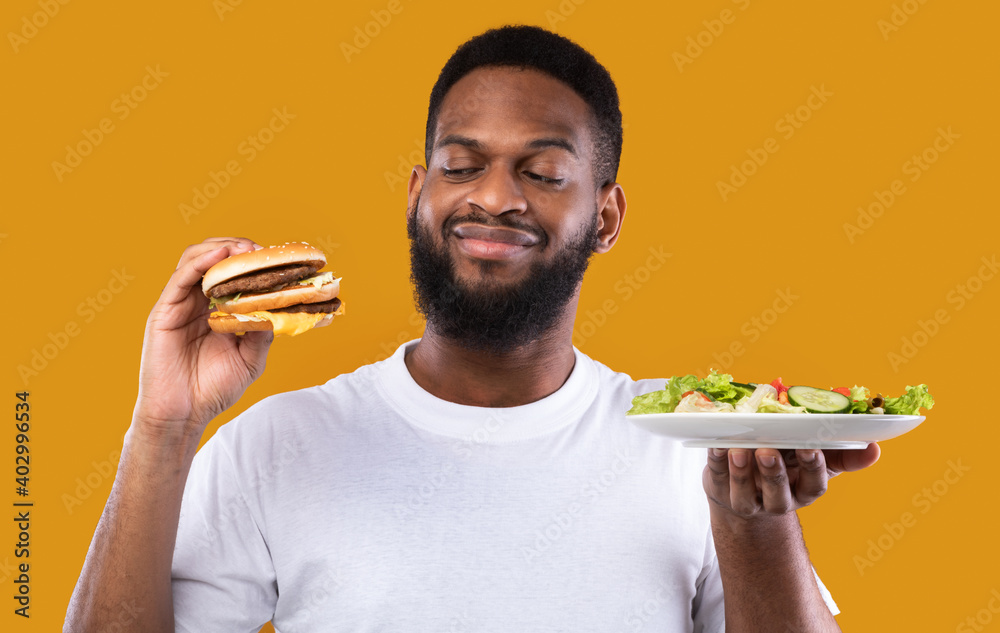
x=481 y=479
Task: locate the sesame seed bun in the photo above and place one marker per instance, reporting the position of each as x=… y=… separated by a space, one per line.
x=254 y=261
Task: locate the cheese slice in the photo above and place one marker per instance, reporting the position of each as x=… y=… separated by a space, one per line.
x=290 y=323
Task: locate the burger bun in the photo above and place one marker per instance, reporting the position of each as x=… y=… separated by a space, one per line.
x=228 y=324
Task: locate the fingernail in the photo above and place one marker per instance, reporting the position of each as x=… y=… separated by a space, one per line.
x=767 y=461
x=739 y=458
x=257 y=246
x=718 y=452
x=808 y=457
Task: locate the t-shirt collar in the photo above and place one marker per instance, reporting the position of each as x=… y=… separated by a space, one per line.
x=484 y=424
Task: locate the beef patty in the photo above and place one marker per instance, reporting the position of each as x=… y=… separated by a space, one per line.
x=312 y=308
x=263 y=280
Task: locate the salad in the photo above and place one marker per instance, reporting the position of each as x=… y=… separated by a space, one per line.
x=717 y=393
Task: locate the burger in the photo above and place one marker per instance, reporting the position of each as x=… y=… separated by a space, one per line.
x=277 y=288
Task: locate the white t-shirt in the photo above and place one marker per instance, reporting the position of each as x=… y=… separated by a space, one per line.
x=369 y=505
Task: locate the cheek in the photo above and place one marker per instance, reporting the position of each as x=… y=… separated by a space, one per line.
x=437 y=202
x=428 y=220
x=563 y=213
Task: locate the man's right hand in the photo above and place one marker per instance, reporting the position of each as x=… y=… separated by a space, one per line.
x=189 y=374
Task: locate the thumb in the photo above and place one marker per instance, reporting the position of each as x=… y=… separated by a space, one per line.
x=851 y=460
x=864 y=458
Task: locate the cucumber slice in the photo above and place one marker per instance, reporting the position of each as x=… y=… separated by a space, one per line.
x=707 y=395
x=746 y=389
x=819 y=400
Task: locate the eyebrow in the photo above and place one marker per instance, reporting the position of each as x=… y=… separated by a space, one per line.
x=538 y=143
x=542 y=143
x=464 y=141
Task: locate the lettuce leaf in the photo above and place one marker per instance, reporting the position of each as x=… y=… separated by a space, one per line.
x=664 y=400
x=859 y=399
x=719 y=386
x=715 y=385
x=318 y=280
x=214 y=301
x=910 y=402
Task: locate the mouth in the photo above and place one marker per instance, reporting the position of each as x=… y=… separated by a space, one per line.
x=493 y=242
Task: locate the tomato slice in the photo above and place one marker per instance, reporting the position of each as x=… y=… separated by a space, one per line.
x=688 y=393
x=843 y=391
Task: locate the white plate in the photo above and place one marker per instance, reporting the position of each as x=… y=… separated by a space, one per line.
x=777 y=430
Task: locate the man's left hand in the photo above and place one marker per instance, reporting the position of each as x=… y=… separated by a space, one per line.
x=766 y=481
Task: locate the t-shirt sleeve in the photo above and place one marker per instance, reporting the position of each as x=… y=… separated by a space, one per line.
x=708 y=608
x=223 y=578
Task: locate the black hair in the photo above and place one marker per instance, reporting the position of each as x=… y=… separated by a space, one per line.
x=534 y=47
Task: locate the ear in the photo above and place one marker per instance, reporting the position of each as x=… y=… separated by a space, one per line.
x=413 y=187
x=610 y=215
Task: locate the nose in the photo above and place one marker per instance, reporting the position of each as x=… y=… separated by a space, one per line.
x=498 y=191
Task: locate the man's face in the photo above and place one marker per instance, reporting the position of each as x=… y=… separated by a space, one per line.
x=505 y=218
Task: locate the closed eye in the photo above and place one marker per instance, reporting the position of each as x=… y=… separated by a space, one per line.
x=544 y=179
x=459 y=172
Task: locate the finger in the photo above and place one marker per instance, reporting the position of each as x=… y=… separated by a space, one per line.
x=813 y=476
x=717 y=475
x=188 y=276
x=743 y=494
x=775 y=492
x=195 y=261
x=851 y=460
x=242 y=245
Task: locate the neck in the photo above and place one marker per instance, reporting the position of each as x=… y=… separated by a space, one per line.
x=447 y=370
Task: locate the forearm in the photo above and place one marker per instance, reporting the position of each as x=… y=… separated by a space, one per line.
x=125 y=580
x=767 y=578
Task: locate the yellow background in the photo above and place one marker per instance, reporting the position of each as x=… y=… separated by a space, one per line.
x=323 y=179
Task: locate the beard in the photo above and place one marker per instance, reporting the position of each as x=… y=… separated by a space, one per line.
x=489 y=316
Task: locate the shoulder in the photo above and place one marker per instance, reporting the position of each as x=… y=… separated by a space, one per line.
x=616 y=391
x=302 y=413
x=622 y=384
